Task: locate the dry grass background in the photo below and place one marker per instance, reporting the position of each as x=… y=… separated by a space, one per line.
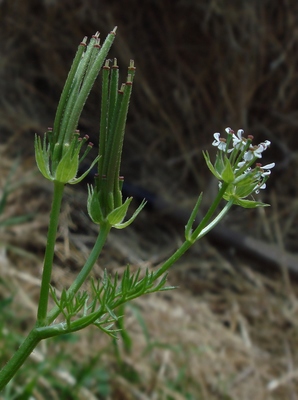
x=230 y=330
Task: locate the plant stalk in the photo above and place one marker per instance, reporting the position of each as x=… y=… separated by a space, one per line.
x=210 y=212
x=49 y=254
x=200 y=231
x=19 y=357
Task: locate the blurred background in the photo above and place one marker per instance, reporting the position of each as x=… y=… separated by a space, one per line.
x=230 y=330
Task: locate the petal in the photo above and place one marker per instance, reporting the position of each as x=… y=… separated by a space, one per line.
x=258 y=151
x=266 y=144
x=248 y=156
x=229 y=130
x=268 y=166
x=216 y=136
x=222 y=145
x=240 y=133
x=236 y=140
x=266 y=173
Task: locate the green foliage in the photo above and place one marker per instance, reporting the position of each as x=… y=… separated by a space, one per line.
x=99 y=309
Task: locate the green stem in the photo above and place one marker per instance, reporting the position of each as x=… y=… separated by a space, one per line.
x=199 y=232
x=18 y=359
x=49 y=254
x=210 y=212
x=85 y=271
x=216 y=220
x=174 y=257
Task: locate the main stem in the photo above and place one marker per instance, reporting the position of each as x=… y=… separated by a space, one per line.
x=19 y=357
x=49 y=254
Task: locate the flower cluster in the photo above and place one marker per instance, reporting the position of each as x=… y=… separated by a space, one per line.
x=237 y=166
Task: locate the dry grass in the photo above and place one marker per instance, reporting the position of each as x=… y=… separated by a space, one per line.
x=230 y=330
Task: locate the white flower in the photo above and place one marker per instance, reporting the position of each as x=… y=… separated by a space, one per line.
x=238 y=141
x=254 y=151
x=265 y=170
x=219 y=142
x=265 y=144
